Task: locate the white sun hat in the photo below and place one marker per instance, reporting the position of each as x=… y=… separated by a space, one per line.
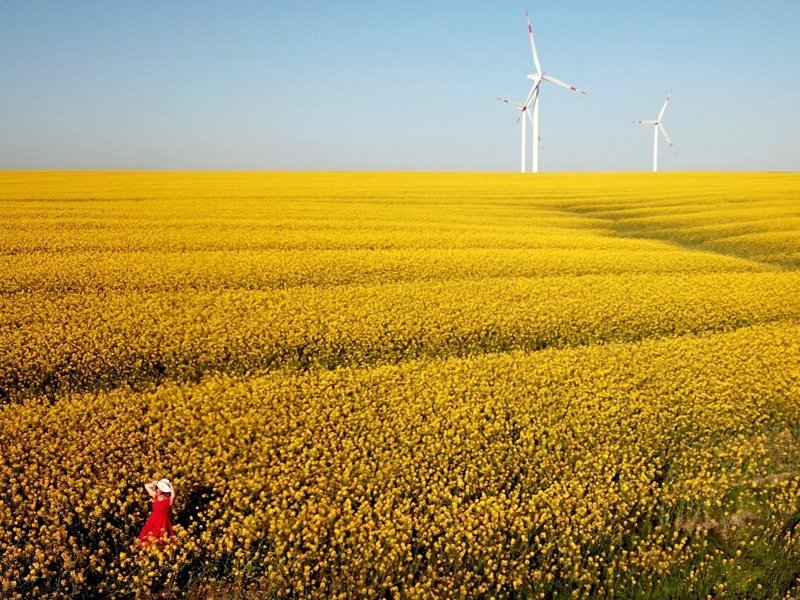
x=164 y=485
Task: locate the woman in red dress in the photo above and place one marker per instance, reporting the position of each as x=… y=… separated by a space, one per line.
x=158 y=525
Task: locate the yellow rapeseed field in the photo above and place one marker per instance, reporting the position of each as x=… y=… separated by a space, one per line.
x=371 y=385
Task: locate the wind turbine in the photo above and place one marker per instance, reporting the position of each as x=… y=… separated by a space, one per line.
x=523 y=111
x=656 y=127
x=534 y=94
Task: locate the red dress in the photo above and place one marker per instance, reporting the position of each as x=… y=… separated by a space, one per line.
x=158 y=525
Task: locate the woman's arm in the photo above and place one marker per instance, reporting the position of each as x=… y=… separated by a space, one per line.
x=151 y=489
x=171 y=495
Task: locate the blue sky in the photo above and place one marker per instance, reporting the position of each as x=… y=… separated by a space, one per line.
x=395 y=86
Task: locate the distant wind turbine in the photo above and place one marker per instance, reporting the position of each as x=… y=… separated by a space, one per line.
x=656 y=127
x=533 y=95
x=522 y=119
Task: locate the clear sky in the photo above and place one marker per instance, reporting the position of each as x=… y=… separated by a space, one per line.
x=412 y=85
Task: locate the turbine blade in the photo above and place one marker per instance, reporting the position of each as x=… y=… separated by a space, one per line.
x=533 y=45
x=572 y=88
x=663 y=108
x=534 y=91
x=516 y=105
x=647 y=122
x=669 y=141
x=522 y=108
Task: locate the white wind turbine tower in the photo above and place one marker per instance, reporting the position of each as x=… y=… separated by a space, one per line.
x=656 y=127
x=534 y=94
